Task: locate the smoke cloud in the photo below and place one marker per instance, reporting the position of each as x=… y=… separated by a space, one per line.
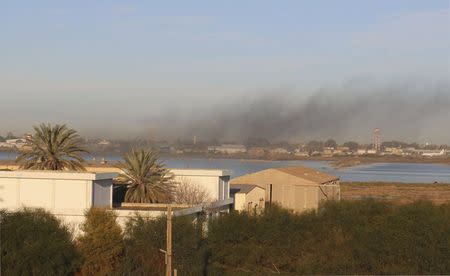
x=409 y=111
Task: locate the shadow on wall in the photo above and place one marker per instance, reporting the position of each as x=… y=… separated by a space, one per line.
x=119 y=191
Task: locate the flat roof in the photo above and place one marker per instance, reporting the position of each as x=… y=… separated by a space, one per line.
x=200 y=172
x=57 y=175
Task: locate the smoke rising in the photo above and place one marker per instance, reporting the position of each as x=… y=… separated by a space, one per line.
x=409 y=111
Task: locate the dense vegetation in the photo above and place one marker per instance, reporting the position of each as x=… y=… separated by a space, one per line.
x=34 y=242
x=101 y=243
x=363 y=237
x=348 y=237
x=145 y=237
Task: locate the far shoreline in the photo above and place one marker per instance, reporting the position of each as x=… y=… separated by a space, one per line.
x=337 y=162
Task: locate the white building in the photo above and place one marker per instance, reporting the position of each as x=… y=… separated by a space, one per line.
x=6 y=145
x=279 y=151
x=228 y=148
x=18 y=143
x=65 y=194
x=68 y=195
x=215 y=182
x=432 y=153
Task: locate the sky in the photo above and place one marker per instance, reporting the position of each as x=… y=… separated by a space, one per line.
x=166 y=69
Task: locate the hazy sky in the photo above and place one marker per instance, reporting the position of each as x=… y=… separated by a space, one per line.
x=129 y=68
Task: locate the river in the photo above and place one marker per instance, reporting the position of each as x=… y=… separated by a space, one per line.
x=383 y=172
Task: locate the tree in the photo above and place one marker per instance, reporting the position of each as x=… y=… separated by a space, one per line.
x=187 y=192
x=10 y=135
x=148 y=180
x=353 y=146
x=256 y=142
x=144 y=237
x=101 y=243
x=53 y=148
x=34 y=242
x=314 y=146
x=330 y=143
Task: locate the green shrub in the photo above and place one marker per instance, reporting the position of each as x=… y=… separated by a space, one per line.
x=348 y=237
x=145 y=237
x=101 y=243
x=34 y=242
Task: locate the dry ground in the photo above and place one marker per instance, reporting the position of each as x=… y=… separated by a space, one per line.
x=401 y=193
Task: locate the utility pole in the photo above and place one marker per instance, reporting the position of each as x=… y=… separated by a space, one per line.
x=169 y=241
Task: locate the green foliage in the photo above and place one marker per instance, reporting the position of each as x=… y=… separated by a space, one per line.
x=330 y=143
x=362 y=237
x=347 y=237
x=145 y=237
x=53 y=148
x=34 y=242
x=101 y=243
x=353 y=146
x=313 y=146
x=148 y=180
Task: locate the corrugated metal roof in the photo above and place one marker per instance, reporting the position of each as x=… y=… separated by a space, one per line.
x=308 y=174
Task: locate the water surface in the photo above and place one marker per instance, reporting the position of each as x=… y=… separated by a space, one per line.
x=384 y=172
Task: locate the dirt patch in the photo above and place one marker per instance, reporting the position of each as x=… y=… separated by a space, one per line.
x=398 y=193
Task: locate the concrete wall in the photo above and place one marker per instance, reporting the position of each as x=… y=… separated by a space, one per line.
x=215 y=182
x=54 y=191
x=75 y=219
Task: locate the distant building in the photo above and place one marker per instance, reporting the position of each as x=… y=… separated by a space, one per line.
x=327 y=151
x=279 y=151
x=18 y=143
x=361 y=151
x=104 y=142
x=393 y=151
x=256 y=152
x=6 y=145
x=301 y=153
x=228 y=148
x=296 y=188
x=432 y=153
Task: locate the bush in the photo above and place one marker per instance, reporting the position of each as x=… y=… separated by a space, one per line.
x=34 y=242
x=145 y=237
x=101 y=243
x=348 y=237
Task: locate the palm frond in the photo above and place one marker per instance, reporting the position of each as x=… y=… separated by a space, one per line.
x=53 y=148
x=148 y=180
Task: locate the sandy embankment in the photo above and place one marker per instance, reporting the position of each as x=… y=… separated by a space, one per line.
x=400 y=193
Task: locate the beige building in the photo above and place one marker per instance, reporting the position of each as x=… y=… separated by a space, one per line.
x=296 y=188
x=249 y=198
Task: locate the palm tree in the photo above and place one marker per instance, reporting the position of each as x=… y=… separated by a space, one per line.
x=148 y=180
x=53 y=148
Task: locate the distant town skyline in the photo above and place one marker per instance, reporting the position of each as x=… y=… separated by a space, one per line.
x=295 y=70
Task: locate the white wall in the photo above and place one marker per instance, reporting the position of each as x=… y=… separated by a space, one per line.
x=215 y=182
x=54 y=191
x=75 y=219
